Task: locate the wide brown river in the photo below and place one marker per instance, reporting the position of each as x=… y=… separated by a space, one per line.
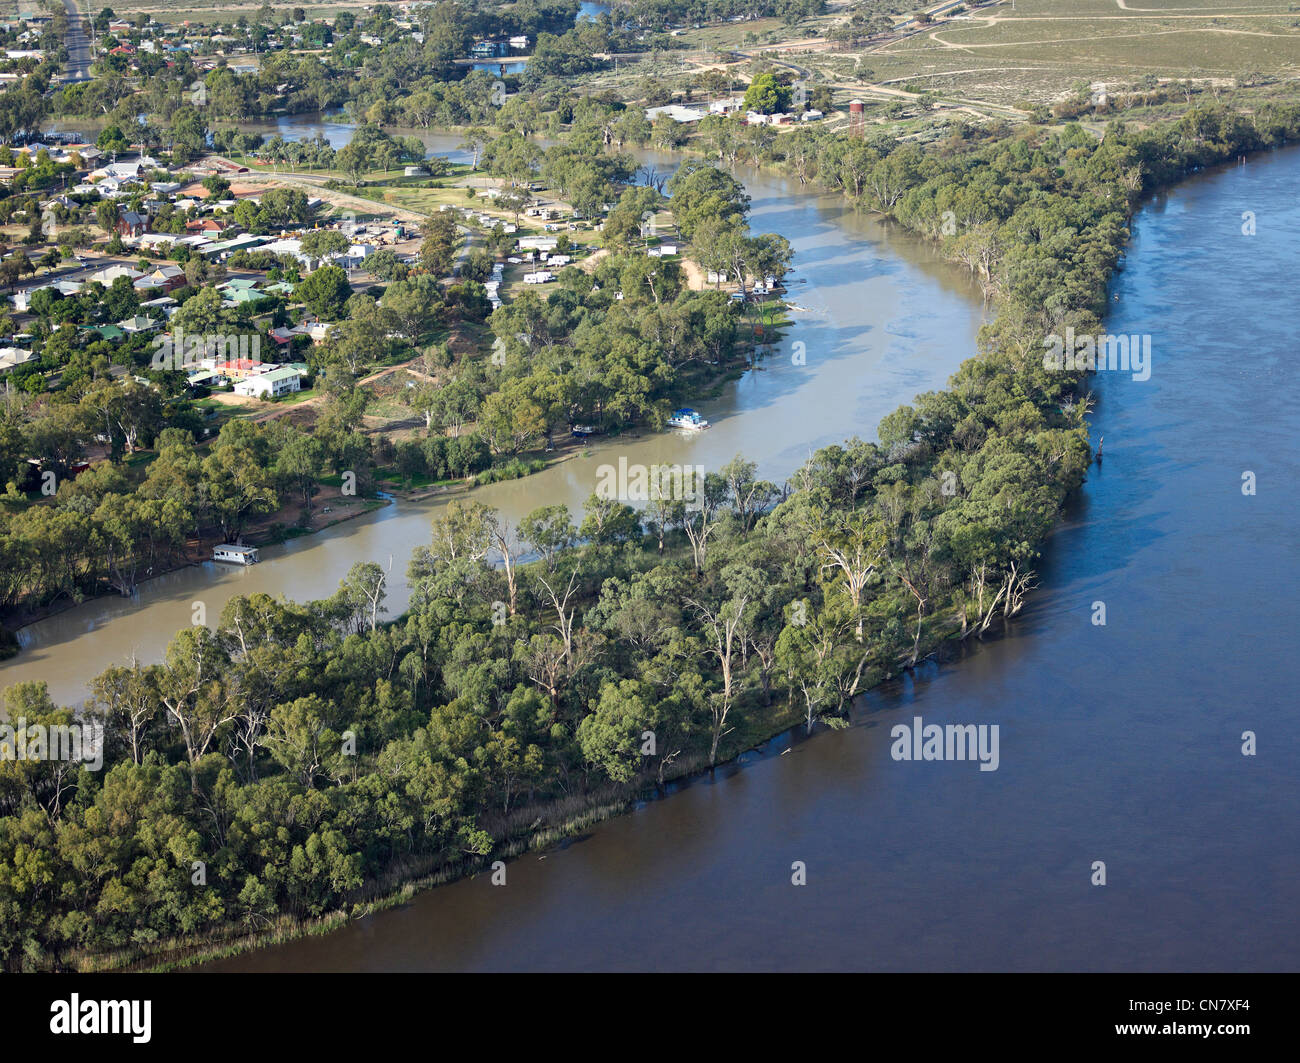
x=1119 y=743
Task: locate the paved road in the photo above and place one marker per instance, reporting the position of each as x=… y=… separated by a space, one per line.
x=78 y=46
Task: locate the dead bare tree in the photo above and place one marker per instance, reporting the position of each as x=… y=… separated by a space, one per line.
x=563 y=611
x=855 y=549
x=723 y=626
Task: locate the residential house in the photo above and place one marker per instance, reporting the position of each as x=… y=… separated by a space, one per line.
x=119 y=171
x=129 y=223
x=12 y=357
x=22 y=299
x=154 y=241
x=239 y=368
x=236 y=296
x=171 y=277
x=109 y=274
x=316 y=331
x=271 y=384
x=134 y=325
x=105 y=332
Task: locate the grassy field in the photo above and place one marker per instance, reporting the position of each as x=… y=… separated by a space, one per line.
x=1001 y=61
x=1037 y=51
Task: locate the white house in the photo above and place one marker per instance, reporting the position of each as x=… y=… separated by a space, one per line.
x=676 y=112
x=271 y=384
x=119 y=171
x=108 y=275
x=153 y=240
x=23 y=299
x=317 y=330
x=354 y=256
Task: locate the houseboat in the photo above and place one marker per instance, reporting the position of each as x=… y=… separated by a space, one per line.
x=235 y=554
x=688 y=419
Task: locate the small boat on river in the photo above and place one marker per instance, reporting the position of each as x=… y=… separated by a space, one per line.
x=687 y=419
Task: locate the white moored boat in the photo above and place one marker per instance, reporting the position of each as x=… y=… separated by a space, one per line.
x=688 y=419
x=235 y=554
